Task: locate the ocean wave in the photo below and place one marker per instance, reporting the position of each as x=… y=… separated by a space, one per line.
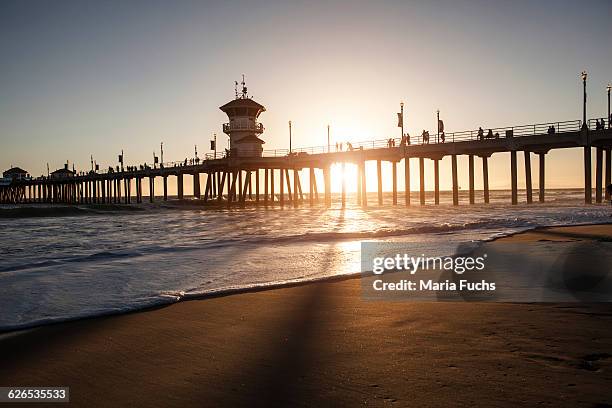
x=64 y=211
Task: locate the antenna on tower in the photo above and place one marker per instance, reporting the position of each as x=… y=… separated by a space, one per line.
x=244 y=88
x=236 y=88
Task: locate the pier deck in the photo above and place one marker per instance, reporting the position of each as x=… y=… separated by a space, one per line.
x=229 y=179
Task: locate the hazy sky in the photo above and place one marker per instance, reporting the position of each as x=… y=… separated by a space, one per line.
x=80 y=77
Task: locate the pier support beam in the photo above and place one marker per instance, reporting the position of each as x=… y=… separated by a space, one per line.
x=455 y=180
x=379 y=176
x=598 y=174
x=528 y=186
x=422 y=180
x=272 y=186
x=139 y=188
x=289 y=190
x=364 y=190
x=485 y=178
x=407 y=180
x=266 y=188
x=327 y=176
x=542 y=157
x=221 y=185
x=257 y=185
x=608 y=173
x=231 y=191
x=358 y=185
x=151 y=189
x=588 y=188
x=249 y=175
x=296 y=177
x=196 y=185
x=436 y=181
x=208 y=187
x=471 y=177
x=165 y=188
x=239 y=175
x=394 y=167
x=316 y=189
x=282 y=187
x=179 y=186
x=311 y=177
x=343 y=186
x=514 y=177
x=246 y=188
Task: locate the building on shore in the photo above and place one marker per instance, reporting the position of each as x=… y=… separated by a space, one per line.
x=15 y=173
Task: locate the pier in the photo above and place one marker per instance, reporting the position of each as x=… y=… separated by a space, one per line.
x=241 y=178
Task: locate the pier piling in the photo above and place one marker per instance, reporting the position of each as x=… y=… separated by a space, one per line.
x=422 y=180
x=513 y=177
x=455 y=180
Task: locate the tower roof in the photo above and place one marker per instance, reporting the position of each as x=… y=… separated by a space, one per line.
x=242 y=103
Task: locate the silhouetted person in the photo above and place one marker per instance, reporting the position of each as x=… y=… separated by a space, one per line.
x=336 y=146
x=442 y=137
x=490 y=134
x=496 y=135
x=480 y=133
x=597 y=125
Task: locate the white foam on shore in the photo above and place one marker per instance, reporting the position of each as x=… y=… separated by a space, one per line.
x=62 y=268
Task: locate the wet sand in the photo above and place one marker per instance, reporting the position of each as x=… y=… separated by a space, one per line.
x=322 y=345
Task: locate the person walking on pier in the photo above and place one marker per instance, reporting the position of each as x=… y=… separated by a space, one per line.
x=425 y=137
x=597 y=125
x=480 y=133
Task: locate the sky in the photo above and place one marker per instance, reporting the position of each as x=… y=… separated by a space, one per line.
x=81 y=78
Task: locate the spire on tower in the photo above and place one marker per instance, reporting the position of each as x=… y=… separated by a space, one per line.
x=244 y=88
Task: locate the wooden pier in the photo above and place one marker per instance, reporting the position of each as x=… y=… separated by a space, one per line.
x=237 y=180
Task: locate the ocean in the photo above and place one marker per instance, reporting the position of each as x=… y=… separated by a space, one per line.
x=104 y=262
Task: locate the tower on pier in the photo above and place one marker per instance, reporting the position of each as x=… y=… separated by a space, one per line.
x=243 y=128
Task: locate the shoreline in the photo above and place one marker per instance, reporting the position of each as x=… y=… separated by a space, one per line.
x=276 y=286
x=320 y=343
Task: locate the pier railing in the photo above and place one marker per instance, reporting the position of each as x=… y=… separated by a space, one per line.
x=449 y=137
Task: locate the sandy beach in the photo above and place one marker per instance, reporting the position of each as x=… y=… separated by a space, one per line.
x=321 y=344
